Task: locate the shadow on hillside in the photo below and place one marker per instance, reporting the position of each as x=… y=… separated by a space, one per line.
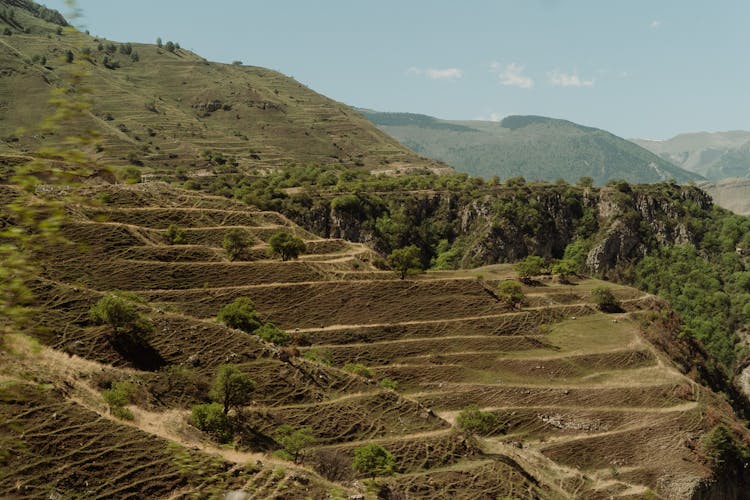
x=138 y=352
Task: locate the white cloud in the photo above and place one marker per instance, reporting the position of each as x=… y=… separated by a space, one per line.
x=512 y=75
x=655 y=24
x=437 y=74
x=559 y=79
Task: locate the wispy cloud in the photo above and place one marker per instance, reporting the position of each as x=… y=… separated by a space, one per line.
x=437 y=73
x=559 y=79
x=655 y=24
x=512 y=75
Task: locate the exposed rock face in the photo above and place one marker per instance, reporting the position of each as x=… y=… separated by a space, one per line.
x=624 y=223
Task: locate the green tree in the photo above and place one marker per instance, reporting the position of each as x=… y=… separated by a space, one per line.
x=472 y=419
x=604 y=298
x=236 y=242
x=294 y=440
x=232 y=388
x=170 y=46
x=271 y=333
x=373 y=460
x=240 y=314
x=511 y=293
x=174 y=234
x=210 y=418
x=530 y=266
x=286 y=245
x=159 y=42
x=405 y=261
x=564 y=269
x=121 y=313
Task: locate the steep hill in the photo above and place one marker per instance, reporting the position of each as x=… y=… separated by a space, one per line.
x=714 y=155
x=533 y=147
x=732 y=194
x=580 y=403
x=166 y=107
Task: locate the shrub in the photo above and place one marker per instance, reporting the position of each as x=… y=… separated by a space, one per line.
x=236 y=242
x=564 y=269
x=358 y=369
x=270 y=333
x=211 y=419
x=388 y=383
x=318 y=356
x=158 y=42
x=373 y=460
x=294 y=440
x=174 y=234
x=170 y=46
x=118 y=397
x=286 y=246
x=120 y=313
x=721 y=447
x=240 y=314
x=511 y=293
x=605 y=299
x=405 y=261
x=530 y=266
x=232 y=388
x=472 y=419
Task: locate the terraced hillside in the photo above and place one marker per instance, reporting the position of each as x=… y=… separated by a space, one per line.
x=584 y=406
x=162 y=109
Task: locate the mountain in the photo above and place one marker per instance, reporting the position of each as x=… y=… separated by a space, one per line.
x=714 y=155
x=166 y=107
x=535 y=147
x=732 y=194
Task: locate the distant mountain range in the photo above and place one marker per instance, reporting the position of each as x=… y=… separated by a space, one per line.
x=714 y=155
x=535 y=147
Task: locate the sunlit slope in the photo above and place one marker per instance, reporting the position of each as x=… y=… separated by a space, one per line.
x=167 y=109
x=584 y=404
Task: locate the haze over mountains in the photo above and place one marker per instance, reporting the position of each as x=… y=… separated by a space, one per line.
x=714 y=155
x=534 y=147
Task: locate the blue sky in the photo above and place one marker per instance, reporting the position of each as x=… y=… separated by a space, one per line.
x=637 y=68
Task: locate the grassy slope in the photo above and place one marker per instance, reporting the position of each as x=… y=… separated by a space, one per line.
x=589 y=400
x=533 y=147
x=160 y=110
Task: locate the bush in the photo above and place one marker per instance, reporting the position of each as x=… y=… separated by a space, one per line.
x=120 y=313
x=232 y=388
x=211 y=419
x=286 y=245
x=387 y=383
x=605 y=299
x=722 y=449
x=530 y=266
x=270 y=333
x=373 y=460
x=118 y=397
x=240 y=314
x=405 y=261
x=511 y=293
x=472 y=419
x=294 y=441
x=236 y=242
x=174 y=234
x=358 y=369
x=318 y=356
x=564 y=269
